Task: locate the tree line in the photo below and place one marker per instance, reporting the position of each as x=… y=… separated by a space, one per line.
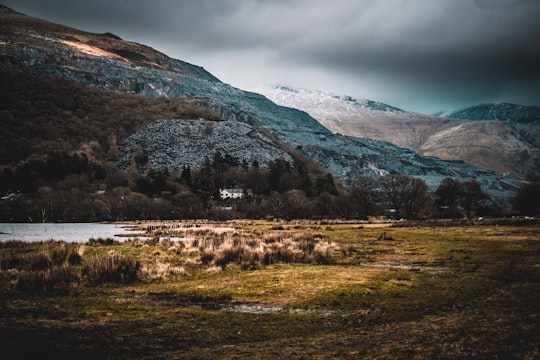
x=71 y=187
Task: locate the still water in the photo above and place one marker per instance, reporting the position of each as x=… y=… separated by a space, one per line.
x=71 y=232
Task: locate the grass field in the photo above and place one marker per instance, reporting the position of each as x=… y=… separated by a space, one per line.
x=324 y=290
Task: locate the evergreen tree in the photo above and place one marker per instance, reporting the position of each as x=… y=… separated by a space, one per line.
x=185 y=177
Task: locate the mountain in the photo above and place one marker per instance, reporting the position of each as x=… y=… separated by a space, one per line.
x=490 y=144
x=526 y=119
x=511 y=113
x=104 y=61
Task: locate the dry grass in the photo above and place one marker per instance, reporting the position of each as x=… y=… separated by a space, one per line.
x=60 y=267
x=255 y=252
x=430 y=292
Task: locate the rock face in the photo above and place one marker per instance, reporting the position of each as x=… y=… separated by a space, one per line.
x=38 y=47
x=489 y=144
x=173 y=144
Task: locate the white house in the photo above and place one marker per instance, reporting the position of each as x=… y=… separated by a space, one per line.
x=231 y=194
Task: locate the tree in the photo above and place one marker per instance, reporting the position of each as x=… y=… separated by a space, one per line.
x=257 y=179
x=298 y=205
x=276 y=204
x=278 y=168
x=448 y=197
x=363 y=193
x=186 y=176
x=473 y=196
x=406 y=194
x=528 y=199
x=324 y=205
x=302 y=179
x=204 y=178
x=187 y=205
x=325 y=184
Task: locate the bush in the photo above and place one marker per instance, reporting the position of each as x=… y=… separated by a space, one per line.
x=270 y=249
x=58 y=267
x=113 y=269
x=56 y=279
x=101 y=241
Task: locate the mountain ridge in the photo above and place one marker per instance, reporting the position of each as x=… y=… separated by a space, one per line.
x=507 y=112
x=490 y=144
x=525 y=119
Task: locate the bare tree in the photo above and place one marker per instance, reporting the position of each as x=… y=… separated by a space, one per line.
x=448 y=197
x=406 y=194
x=473 y=196
x=528 y=198
x=364 y=193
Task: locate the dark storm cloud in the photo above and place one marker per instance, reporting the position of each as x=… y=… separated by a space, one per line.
x=417 y=54
x=460 y=50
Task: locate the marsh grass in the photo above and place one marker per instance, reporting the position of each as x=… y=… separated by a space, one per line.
x=431 y=292
x=252 y=253
x=114 y=268
x=59 y=267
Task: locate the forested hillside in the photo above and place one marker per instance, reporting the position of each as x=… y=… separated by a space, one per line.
x=41 y=115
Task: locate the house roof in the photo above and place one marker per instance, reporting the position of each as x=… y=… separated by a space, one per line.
x=233 y=191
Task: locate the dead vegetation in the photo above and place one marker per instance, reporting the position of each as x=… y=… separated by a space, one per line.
x=430 y=292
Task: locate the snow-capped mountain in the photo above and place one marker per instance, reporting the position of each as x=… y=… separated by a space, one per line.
x=489 y=144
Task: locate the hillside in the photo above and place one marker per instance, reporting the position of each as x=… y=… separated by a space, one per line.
x=526 y=119
x=488 y=144
x=41 y=115
x=106 y=62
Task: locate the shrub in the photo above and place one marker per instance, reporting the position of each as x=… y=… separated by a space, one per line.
x=113 y=269
x=56 y=279
x=101 y=241
x=206 y=256
x=40 y=261
x=65 y=252
x=272 y=248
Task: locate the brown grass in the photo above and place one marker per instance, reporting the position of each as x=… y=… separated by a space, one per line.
x=430 y=292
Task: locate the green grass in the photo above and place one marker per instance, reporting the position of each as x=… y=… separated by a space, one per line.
x=430 y=292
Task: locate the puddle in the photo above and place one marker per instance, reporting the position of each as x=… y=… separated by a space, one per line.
x=253 y=309
x=273 y=309
x=404 y=267
x=225 y=304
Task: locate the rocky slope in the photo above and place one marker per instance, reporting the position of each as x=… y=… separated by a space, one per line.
x=488 y=144
x=172 y=144
x=105 y=61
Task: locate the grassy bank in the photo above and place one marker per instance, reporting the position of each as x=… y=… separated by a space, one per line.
x=267 y=290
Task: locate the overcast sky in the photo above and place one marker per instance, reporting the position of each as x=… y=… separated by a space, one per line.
x=419 y=55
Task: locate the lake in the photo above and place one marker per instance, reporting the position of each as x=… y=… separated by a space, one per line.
x=72 y=232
